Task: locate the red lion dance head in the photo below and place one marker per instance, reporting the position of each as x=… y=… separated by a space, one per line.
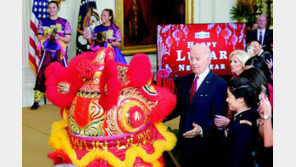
x=111 y=112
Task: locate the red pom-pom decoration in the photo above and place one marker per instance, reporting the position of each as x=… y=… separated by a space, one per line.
x=109 y=85
x=139 y=70
x=86 y=69
x=166 y=103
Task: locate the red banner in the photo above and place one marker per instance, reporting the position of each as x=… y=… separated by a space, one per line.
x=175 y=40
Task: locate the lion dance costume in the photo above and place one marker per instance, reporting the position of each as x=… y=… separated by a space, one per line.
x=111 y=112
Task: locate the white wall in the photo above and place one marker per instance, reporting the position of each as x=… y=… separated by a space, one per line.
x=204 y=11
x=69 y=10
x=212 y=11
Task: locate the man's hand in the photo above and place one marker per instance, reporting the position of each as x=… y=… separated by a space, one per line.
x=192 y=133
x=221 y=121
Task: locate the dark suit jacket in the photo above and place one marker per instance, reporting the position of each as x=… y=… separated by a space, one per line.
x=241 y=134
x=268 y=38
x=209 y=100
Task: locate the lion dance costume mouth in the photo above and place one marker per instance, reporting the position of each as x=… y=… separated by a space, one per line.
x=111 y=112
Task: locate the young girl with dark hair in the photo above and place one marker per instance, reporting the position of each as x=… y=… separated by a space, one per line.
x=53 y=34
x=264 y=146
x=241 y=132
x=259 y=63
x=108 y=33
x=257 y=77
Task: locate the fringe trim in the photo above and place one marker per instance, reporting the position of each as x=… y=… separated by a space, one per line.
x=59 y=140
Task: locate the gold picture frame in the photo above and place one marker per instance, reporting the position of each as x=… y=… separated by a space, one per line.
x=129 y=50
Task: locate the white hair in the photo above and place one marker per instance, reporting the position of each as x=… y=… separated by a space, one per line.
x=202 y=46
x=241 y=55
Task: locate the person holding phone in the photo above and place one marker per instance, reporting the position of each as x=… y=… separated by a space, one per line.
x=259 y=51
x=264 y=151
x=250 y=51
x=263 y=146
x=257 y=77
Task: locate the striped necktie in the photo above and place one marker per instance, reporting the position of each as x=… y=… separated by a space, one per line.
x=193 y=88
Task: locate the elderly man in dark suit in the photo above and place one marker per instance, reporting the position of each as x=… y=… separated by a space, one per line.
x=262 y=34
x=201 y=95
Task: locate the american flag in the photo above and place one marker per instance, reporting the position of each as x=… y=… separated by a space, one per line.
x=87 y=33
x=88 y=18
x=39 y=11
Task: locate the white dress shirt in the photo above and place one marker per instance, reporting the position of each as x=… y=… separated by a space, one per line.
x=261 y=53
x=201 y=77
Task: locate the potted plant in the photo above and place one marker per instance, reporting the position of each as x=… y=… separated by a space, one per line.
x=244 y=11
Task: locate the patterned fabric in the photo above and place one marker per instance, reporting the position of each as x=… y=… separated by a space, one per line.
x=47 y=25
x=37 y=96
x=193 y=87
x=46 y=60
x=111 y=33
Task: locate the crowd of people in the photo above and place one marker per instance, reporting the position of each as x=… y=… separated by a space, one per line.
x=239 y=134
x=212 y=133
x=223 y=123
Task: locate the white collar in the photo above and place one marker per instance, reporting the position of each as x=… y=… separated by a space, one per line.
x=263 y=30
x=261 y=51
x=242 y=111
x=203 y=75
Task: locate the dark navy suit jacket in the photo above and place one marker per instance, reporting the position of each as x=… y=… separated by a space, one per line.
x=241 y=134
x=208 y=101
x=268 y=38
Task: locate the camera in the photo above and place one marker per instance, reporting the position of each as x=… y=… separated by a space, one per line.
x=263 y=90
x=250 y=50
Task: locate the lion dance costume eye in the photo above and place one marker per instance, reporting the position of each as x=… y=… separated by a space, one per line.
x=111 y=112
